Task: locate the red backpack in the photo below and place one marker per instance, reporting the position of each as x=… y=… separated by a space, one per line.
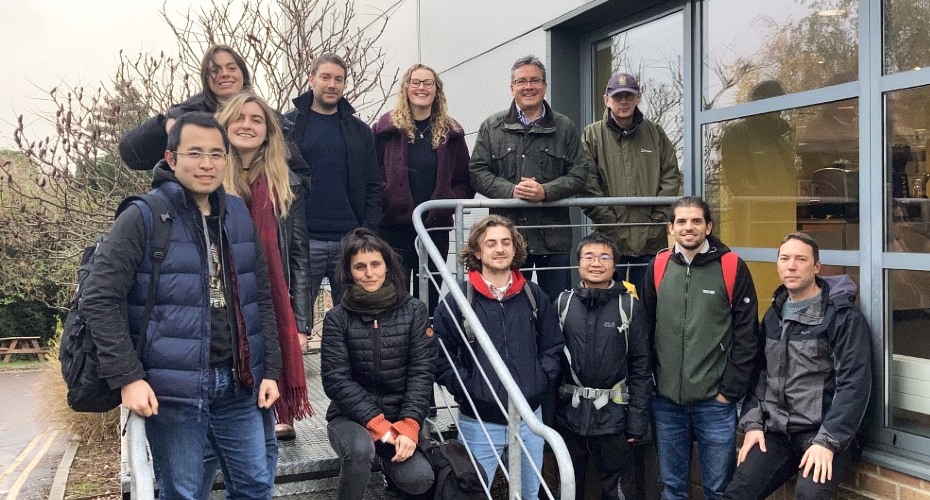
x=729 y=261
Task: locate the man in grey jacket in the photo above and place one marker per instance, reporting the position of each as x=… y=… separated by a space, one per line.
x=630 y=156
x=815 y=382
x=532 y=153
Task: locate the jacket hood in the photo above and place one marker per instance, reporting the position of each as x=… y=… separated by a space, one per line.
x=305 y=100
x=612 y=124
x=384 y=126
x=195 y=102
x=838 y=290
x=595 y=297
x=474 y=276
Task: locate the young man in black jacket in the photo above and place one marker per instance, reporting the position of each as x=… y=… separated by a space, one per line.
x=527 y=338
x=815 y=383
x=607 y=384
x=210 y=358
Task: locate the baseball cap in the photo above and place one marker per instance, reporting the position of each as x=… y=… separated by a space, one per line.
x=622 y=82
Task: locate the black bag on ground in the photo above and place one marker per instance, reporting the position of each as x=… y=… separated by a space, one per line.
x=456 y=475
x=87 y=392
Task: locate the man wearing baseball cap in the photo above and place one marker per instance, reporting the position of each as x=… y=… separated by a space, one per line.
x=630 y=156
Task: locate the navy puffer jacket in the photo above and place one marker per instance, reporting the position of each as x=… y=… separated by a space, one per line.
x=382 y=366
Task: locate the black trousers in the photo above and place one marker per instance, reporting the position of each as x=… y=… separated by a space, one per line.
x=763 y=473
x=402 y=239
x=614 y=458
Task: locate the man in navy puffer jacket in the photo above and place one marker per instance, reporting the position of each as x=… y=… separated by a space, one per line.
x=211 y=358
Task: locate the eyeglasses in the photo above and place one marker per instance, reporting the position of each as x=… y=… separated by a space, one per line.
x=200 y=155
x=589 y=258
x=535 y=82
x=422 y=83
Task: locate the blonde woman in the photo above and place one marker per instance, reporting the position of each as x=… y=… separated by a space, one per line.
x=259 y=174
x=422 y=156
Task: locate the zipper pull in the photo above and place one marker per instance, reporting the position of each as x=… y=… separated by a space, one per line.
x=376 y=324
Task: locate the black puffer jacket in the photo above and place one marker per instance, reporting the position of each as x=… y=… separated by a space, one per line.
x=601 y=356
x=382 y=366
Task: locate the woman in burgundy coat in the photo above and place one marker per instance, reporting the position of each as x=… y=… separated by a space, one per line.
x=422 y=156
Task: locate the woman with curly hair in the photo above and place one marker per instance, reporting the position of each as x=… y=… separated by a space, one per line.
x=422 y=156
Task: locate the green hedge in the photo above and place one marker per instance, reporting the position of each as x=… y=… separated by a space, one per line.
x=29 y=319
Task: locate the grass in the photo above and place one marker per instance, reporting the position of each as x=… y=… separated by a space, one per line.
x=24 y=364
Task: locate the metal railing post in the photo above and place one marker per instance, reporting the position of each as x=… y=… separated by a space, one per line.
x=141 y=481
x=514 y=451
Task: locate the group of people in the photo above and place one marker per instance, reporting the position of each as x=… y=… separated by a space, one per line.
x=266 y=205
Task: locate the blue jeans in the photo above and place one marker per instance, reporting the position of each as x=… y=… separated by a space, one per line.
x=324 y=263
x=235 y=421
x=552 y=282
x=211 y=463
x=713 y=425
x=486 y=453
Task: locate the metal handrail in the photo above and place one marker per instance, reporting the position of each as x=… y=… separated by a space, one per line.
x=135 y=451
x=518 y=407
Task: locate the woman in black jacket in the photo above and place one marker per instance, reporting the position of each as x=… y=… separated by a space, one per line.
x=377 y=363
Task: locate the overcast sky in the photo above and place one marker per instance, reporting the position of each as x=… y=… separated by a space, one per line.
x=46 y=42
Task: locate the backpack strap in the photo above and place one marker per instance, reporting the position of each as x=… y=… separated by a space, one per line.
x=532 y=299
x=158 y=221
x=466 y=327
x=730 y=262
x=658 y=270
x=565 y=298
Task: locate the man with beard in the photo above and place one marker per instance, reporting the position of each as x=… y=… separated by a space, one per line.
x=702 y=315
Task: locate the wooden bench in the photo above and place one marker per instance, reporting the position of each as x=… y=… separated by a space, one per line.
x=21 y=345
x=910 y=383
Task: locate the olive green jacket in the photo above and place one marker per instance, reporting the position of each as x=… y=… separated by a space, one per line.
x=639 y=161
x=550 y=151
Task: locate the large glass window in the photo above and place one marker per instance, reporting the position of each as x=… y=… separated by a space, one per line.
x=800 y=44
x=907 y=208
x=909 y=363
x=771 y=174
x=653 y=53
x=906 y=37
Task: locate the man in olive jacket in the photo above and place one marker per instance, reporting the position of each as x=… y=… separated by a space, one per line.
x=630 y=156
x=532 y=153
x=704 y=350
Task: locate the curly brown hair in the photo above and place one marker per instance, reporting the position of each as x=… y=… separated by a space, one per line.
x=467 y=254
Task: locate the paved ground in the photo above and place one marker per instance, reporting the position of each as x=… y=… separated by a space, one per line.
x=29 y=449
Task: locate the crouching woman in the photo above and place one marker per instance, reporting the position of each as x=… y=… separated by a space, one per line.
x=377 y=363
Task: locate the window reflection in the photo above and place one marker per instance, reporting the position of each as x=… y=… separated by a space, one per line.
x=770 y=174
x=907 y=207
x=803 y=44
x=653 y=53
x=908 y=400
x=907 y=41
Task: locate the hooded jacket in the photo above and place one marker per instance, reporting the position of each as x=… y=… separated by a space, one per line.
x=451 y=174
x=364 y=186
x=550 y=151
x=817 y=373
x=529 y=347
x=601 y=356
x=177 y=349
x=702 y=345
x=633 y=162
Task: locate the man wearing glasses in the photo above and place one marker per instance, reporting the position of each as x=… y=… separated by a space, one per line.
x=604 y=400
x=630 y=156
x=210 y=356
x=345 y=192
x=532 y=153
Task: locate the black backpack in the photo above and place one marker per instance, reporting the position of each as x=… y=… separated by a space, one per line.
x=456 y=475
x=87 y=392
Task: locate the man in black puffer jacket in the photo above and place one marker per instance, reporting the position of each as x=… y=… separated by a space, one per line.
x=607 y=382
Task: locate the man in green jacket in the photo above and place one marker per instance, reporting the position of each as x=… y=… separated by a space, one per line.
x=630 y=156
x=529 y=152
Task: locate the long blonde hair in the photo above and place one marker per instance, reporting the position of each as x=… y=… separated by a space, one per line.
x=270 y=160
x=439 y=119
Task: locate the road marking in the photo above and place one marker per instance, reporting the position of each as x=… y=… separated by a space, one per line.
x=22 y=456
x=21 y=480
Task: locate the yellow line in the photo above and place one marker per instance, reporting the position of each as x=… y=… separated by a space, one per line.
x=14 y=491
x=22 y=456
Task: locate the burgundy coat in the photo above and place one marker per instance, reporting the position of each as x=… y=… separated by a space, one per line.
x=452 y=180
